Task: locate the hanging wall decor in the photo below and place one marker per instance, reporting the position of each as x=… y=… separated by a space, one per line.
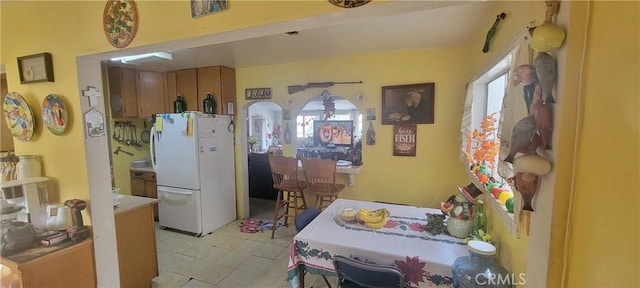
x=120 y=22
x=371 y=135
x=54 y=114
x=257 y=93
x=206 y=7
x=492 y=32
x=408 y=104
x=287 y=134
x=18 y=116
x=94 y=124
x=35 y=68
x=349 y=3
x=404 y=139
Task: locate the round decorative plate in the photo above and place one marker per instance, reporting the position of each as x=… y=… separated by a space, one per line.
x=349 y=3
x=54 y=114
x=120 y=22
x=18 y=116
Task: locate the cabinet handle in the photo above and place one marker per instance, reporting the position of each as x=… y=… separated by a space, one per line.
x=138 y=174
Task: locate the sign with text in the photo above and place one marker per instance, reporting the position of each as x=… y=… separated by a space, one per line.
x=404 y=139
x=257 y=93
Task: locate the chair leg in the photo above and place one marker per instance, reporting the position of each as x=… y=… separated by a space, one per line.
x=326 y=281
x=275 y=217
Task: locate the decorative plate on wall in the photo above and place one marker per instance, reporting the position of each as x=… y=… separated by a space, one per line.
x=349 y=3
x=120 y=22
x=19 y=116
x=54 y=114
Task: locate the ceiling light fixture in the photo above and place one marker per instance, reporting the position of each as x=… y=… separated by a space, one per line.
x=143 y=57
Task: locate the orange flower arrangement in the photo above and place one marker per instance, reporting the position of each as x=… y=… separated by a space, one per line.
x=482 y=145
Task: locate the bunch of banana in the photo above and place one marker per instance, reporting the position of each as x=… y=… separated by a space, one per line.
x=373 y=219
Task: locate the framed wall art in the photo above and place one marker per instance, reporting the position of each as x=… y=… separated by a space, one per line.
x=409 y=104
x=257 y=93
x=35 y=68
x=205 y=7
x=120 y=22
x=404 y=139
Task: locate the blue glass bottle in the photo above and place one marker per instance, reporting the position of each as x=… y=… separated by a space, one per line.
x=479 y=269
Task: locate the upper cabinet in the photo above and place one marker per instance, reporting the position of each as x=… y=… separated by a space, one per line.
x=194 y=84
x=136 y=94
x=150 y=93
x=123 y=92
x=220 y=81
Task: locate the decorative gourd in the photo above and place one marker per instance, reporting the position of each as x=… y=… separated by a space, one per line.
x=533 y=164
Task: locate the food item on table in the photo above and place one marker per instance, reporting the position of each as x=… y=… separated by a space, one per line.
x=509 y=205
x=374 y=219
x=349 y=215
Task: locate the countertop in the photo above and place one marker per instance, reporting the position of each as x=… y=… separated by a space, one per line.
x=142 y=169
x=128 y=203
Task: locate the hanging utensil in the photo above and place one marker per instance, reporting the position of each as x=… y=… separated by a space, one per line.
x=128 y=132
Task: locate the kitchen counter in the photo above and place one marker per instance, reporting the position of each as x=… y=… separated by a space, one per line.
x=128 y=203
x=142 y=169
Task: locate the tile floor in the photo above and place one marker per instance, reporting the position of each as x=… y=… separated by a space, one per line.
x=228 y=257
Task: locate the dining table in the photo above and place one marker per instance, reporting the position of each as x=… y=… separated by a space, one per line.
x=424 y=259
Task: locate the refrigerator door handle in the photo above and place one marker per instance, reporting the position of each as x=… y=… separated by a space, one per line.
x=175 y=191
x=152 y=144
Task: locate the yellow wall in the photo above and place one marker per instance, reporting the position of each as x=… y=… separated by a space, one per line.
x=603 y=242
x=122 y=161
x=430 y=177
x=603 y=238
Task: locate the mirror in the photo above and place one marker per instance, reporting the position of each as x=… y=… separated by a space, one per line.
x=328 y=126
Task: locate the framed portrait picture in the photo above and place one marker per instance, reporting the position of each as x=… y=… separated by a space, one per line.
x=35 y=68
x=408 y=104
x=205 y=7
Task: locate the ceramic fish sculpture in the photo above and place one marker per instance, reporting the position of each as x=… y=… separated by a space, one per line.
x=543 y=116
x=546 y=69
x=521 y=136
x=526 y=75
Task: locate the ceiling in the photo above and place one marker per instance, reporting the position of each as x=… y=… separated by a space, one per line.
x=397 y=25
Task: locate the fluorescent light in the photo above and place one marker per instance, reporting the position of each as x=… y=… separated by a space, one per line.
x=132 y=58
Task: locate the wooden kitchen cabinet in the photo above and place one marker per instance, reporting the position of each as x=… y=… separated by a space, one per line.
x=170 y=91
x=123 y=94
x=150 y=93
x=69 y=264
x=220 y=81
x=136 y=238
x=144 y=184
x=187 y=86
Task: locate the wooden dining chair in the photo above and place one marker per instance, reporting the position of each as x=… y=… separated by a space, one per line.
x=321 y=180
x=285 y=179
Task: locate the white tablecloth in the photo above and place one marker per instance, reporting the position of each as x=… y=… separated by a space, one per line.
x=424 y=259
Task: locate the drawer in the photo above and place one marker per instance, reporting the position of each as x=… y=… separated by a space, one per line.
x=150 y=176
x=137 y=174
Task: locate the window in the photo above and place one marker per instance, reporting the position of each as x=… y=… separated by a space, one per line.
x=490 y=112
x=305 y=126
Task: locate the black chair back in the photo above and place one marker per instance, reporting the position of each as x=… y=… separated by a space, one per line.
x=306 y=217
x=354 y=273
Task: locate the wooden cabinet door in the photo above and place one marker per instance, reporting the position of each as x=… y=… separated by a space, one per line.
x=170 y=91
x=137 y=253
x=151 y=190
x=69 y=267
x=123 y=92
x=228 y=80
x=137 y=184
x=150 y=93
x=209 y=82
x=187 y=86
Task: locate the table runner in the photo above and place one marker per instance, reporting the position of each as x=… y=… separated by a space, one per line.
x=424 y=259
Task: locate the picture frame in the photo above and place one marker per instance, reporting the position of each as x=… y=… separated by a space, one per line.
x=205 y=7
x=408 y=104
x=257 y=93
x=35 y=68
x=405 y=137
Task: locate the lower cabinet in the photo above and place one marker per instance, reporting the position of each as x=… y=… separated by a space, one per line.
x=143 y=184
x=137 y=254
x=71 y=266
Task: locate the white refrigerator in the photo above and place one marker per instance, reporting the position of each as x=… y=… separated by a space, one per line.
x=193 y=157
